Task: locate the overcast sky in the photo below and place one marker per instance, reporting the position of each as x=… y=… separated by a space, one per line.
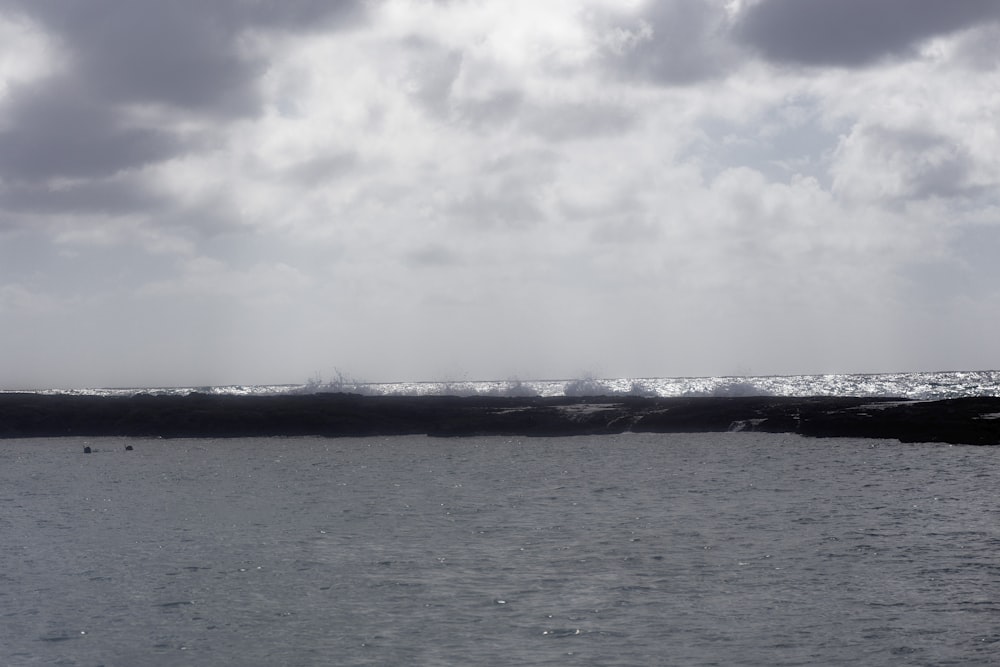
x=243 y=191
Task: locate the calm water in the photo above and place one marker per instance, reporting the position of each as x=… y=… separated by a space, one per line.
x=718 y=549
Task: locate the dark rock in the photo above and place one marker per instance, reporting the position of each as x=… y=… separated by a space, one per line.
x=958 y=421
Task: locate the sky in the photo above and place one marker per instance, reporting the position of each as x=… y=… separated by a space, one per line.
x=253 y=192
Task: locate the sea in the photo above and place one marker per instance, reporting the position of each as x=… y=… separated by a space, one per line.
x=918 y=386
x=631 y=549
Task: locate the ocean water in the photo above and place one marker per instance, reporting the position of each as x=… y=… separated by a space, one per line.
x=921 y=386
x=636 y=549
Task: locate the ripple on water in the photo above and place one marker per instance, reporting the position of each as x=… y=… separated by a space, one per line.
x=636 y=549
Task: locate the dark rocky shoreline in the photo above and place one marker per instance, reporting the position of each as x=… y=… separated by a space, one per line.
x=972 y=421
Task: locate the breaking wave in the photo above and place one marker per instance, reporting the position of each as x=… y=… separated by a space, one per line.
x=919 y=386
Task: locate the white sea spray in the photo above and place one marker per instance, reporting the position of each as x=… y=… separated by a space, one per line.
x=917 y=386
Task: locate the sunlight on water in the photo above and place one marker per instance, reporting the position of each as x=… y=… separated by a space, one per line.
x=921 y=386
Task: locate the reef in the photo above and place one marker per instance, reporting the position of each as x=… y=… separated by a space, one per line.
x=971 y=421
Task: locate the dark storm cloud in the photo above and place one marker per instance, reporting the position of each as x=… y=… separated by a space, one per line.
x=57 y=130
x=672 y=42
x=853 y=32
x=87 y=198
x=182 y=53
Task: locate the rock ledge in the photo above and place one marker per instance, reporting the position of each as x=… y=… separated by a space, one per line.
x=972 y=421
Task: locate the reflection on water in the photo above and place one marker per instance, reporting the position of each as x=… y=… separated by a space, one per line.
x=923 y=386
x=626 y=550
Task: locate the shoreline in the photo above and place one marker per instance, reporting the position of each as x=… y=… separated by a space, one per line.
x=969 y=421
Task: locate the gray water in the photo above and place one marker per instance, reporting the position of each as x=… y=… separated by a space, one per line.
x=716 y=549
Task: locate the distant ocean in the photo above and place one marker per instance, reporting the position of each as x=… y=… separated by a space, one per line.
x=917 y=386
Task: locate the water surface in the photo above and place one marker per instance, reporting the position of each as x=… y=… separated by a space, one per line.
x=714 y=549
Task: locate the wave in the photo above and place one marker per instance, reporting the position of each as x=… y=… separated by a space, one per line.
x=918 y=386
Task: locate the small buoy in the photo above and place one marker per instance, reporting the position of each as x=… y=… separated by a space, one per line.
x=128 y=448
x=86 y=450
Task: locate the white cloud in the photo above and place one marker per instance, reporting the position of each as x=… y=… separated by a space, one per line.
x=26 y=52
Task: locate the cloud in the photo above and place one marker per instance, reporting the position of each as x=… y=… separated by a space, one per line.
x=99 y=102
x=433 y=255
x=852 y=33
x=185 y=54
x=882 y=163
x=57 y=130
x=431 y=73
x=320 y=169
x=116 y=58
x=26 y=51
x=670 y=42
x=113 y=196
x=977 y=48
x=560 y=122
x=507 y=193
